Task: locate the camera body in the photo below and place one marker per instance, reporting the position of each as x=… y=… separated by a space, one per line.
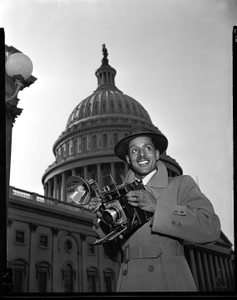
x=118 y=217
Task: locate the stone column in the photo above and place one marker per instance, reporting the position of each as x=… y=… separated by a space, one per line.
x=85 y=173
x=99 y=179
x=218 y=278
x=49 y=188
x=63 y=187
x=193 y=266
x=55 y=187
x=227 y=274
x=231 y=272
x=212 y=271
x=201 y=270
x=83 y=274
x=223 y=271
x=205 y=265
x=73 y=171
x=113 y=171
x=33 y=245
x=46 y=189
x=55 y=232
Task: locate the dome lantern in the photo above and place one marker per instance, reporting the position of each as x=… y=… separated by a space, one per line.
x=105 y=74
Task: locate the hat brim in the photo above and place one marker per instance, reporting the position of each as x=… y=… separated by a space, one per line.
x=121 y=148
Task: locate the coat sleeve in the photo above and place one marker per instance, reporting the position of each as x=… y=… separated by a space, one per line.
x=190 y=217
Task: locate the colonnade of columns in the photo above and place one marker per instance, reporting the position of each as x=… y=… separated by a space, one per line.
x=212 y=270
x=55 y=187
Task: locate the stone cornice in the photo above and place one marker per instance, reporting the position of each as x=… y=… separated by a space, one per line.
x=66 y=215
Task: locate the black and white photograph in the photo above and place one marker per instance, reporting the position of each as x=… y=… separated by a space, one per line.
x=119 y=147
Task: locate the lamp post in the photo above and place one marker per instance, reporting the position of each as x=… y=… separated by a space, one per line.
x=18 y=70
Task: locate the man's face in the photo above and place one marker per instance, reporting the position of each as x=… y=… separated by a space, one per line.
x=142 y=155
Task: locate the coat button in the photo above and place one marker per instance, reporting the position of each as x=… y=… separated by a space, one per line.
x=151 y=268
x=173 y=222
x=125 y=272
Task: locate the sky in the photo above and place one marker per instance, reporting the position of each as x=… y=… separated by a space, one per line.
x=173 y=56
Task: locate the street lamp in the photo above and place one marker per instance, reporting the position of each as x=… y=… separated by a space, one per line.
x=19 y=67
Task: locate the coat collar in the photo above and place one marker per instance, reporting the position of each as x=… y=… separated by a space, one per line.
x=159 y=179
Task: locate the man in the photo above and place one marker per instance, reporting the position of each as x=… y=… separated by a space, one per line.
x=153 y=257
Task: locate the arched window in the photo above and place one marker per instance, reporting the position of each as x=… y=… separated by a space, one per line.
x=84 y=147
x=68 y=276
x=92 y=278
x=70 y=147
x=115 y=139
x=20 y=270
x=105 y=141
x=94 y=142
x=79 y=145
x=75 y=146
x=43 y=276
x=64 y=148
x=109 y=280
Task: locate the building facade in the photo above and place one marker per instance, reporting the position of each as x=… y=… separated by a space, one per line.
x=51 y=241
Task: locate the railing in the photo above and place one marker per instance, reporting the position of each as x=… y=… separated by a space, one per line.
x=18 y=194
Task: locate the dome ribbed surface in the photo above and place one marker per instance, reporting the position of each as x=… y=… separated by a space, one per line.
x=107 y=102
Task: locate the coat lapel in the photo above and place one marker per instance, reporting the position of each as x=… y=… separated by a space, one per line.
x=158 y=180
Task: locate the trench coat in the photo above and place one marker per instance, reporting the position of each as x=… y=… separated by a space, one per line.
x=153 y=256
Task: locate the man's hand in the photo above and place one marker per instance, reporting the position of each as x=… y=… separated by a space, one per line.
x=142 y=199
x=94 y=206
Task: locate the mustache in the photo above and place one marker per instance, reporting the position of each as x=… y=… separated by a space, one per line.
x=142 y=158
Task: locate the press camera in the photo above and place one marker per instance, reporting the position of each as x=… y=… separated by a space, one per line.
x=118 y=218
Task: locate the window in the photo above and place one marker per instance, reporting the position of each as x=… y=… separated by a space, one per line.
x=115 y=139
x=42 y=278
x=105 y=141
x=64 y=154
x=92 y=277
x=20 y=270
x=76 y=146
x=43 y=241
x=70 y=147
x=68 y=278
x=108 y=284
x=59 y=152
x=96 y=106
x=20 y=237
x=68 y=246
x=92 y=283
x=18 y=280
x=43 y=269
x=91 y=249
x=84 y=144
x=79 y=145
x=109 y=280
x=94 y=142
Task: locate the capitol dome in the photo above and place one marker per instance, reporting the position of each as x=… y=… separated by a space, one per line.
x=86 y=146
x=107 y=101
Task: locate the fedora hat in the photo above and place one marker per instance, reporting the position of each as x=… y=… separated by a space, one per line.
x=121 y=148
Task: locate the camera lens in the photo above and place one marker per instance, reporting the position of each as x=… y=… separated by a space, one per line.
x=110 y=215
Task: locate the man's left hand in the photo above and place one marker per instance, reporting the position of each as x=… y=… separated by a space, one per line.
x=142 y=199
